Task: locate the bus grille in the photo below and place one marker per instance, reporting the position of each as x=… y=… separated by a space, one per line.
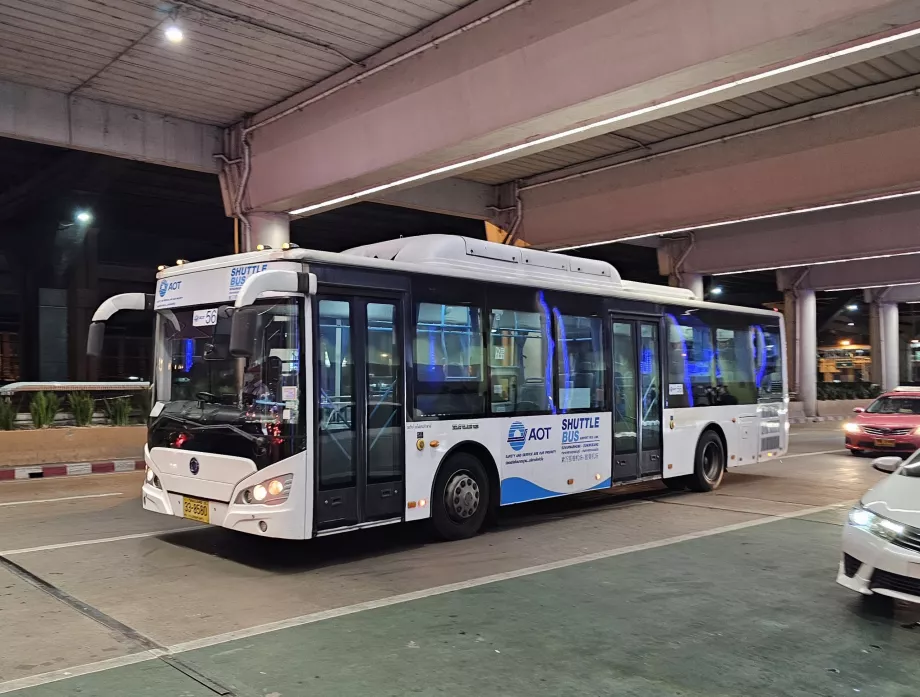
x=769 y=443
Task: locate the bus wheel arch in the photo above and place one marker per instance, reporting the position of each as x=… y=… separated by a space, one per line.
x=710 y=460
x=476 y=459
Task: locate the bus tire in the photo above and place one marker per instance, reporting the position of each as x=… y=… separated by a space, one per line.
x=460 y=500
x=709 y=463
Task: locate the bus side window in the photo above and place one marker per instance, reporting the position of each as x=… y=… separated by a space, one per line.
x=449 y=376
x=518 y=355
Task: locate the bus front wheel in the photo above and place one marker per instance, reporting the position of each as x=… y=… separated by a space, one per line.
x=709 y=464
x=460 y=502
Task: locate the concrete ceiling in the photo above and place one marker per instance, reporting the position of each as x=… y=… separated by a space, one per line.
x=876 y=78
x=237 y=56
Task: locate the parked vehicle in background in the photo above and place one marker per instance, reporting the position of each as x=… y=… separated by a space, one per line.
x=891 y=424
x=881 y=541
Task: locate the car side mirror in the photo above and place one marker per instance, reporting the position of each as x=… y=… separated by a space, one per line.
x=858 y=410
x=888 y=465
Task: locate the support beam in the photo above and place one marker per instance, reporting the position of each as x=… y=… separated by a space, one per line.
x=474 y=95
x=861 y=153
x=691 y=281
x=855 y=275
x=909 y=293
x=459 y=197
x=54 y=118
x=865 y=230
x=889 y=339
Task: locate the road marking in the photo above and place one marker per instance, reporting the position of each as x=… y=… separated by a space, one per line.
x=82 y=543
x=819 y=452
x=55 y=675
x=205 y=642
x=63 y=498
x=481 y=581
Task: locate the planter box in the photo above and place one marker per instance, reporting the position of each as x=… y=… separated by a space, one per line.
x=841 y=407
x=90 y=444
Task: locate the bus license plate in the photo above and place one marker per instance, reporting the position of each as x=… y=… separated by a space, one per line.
x=884 y=442
x=195 y=509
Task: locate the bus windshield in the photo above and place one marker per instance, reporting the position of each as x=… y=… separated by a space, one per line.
x=209 y=401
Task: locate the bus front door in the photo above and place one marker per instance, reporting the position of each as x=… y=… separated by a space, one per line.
x=359 y=402
x=636 y=399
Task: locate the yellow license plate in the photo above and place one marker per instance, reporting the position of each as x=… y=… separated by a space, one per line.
x=195 y=509
x=884 y=442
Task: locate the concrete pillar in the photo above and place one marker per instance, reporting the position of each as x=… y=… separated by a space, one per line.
x=889 y=339
x=270 y=229
x=807 y=328
x=792 y=343
x=875 y=344
x=691 y=281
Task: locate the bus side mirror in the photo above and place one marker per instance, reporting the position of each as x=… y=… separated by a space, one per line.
x=242 y=334
x=95 y=338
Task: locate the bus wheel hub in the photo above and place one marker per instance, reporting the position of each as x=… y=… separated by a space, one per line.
x=462 y=496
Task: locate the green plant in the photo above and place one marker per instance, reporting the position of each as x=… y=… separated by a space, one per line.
x=7 y=415
x=44 y=407
x=81 y=406
x=118 y=410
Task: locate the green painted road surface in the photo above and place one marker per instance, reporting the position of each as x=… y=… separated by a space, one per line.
x=752 y=612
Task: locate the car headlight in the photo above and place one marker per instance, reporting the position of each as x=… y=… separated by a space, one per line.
x=151 y=478
x=851 y=428
x=864 y=519
x=271 y=492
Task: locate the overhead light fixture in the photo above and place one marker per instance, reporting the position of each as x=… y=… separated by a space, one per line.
x=851 y=324
x=613 y=120
x=84 y=217
x=173 y=34
x=853 y=307
x=844 y=342
x=716 y=290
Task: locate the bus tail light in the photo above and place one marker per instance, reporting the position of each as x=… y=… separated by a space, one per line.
x=271 y=492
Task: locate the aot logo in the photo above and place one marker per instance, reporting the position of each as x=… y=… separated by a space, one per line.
x=167 y=286
x=517 y=436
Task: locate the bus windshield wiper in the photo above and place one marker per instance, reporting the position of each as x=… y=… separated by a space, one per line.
x=194 y=426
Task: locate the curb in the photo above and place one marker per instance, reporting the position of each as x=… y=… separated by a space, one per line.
x=814 y=419
x=70 y=470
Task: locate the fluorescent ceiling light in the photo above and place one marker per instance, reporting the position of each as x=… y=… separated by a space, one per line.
x=651 y=109
x=881 y=285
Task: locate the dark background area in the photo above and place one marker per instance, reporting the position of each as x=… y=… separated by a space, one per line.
x=54 y=271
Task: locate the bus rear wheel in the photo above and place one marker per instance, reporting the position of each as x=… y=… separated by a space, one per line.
x=709 y=464
x=460 y=502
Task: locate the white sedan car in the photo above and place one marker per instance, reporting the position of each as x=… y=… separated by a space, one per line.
x=881 y=541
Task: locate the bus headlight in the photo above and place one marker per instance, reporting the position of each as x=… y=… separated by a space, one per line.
x=152 y=479
x=271 y=492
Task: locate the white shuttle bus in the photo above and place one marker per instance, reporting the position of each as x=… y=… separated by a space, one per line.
x=301 y=393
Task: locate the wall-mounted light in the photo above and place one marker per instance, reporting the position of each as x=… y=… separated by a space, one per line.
x=853 y=308
x=84 y=217
x=715 y=290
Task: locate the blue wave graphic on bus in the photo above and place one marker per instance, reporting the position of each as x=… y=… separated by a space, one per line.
x=517 y=436
x=519 y=490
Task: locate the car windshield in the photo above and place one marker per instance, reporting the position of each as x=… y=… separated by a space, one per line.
x=208 y=401
x=895 y=405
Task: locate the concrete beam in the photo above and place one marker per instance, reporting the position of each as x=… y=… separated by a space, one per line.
x=838 y=157
x=894 y=294
x=865 y=230
x=449 y=196
x=853 y=275
x=476 y=93
x=54 y=118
